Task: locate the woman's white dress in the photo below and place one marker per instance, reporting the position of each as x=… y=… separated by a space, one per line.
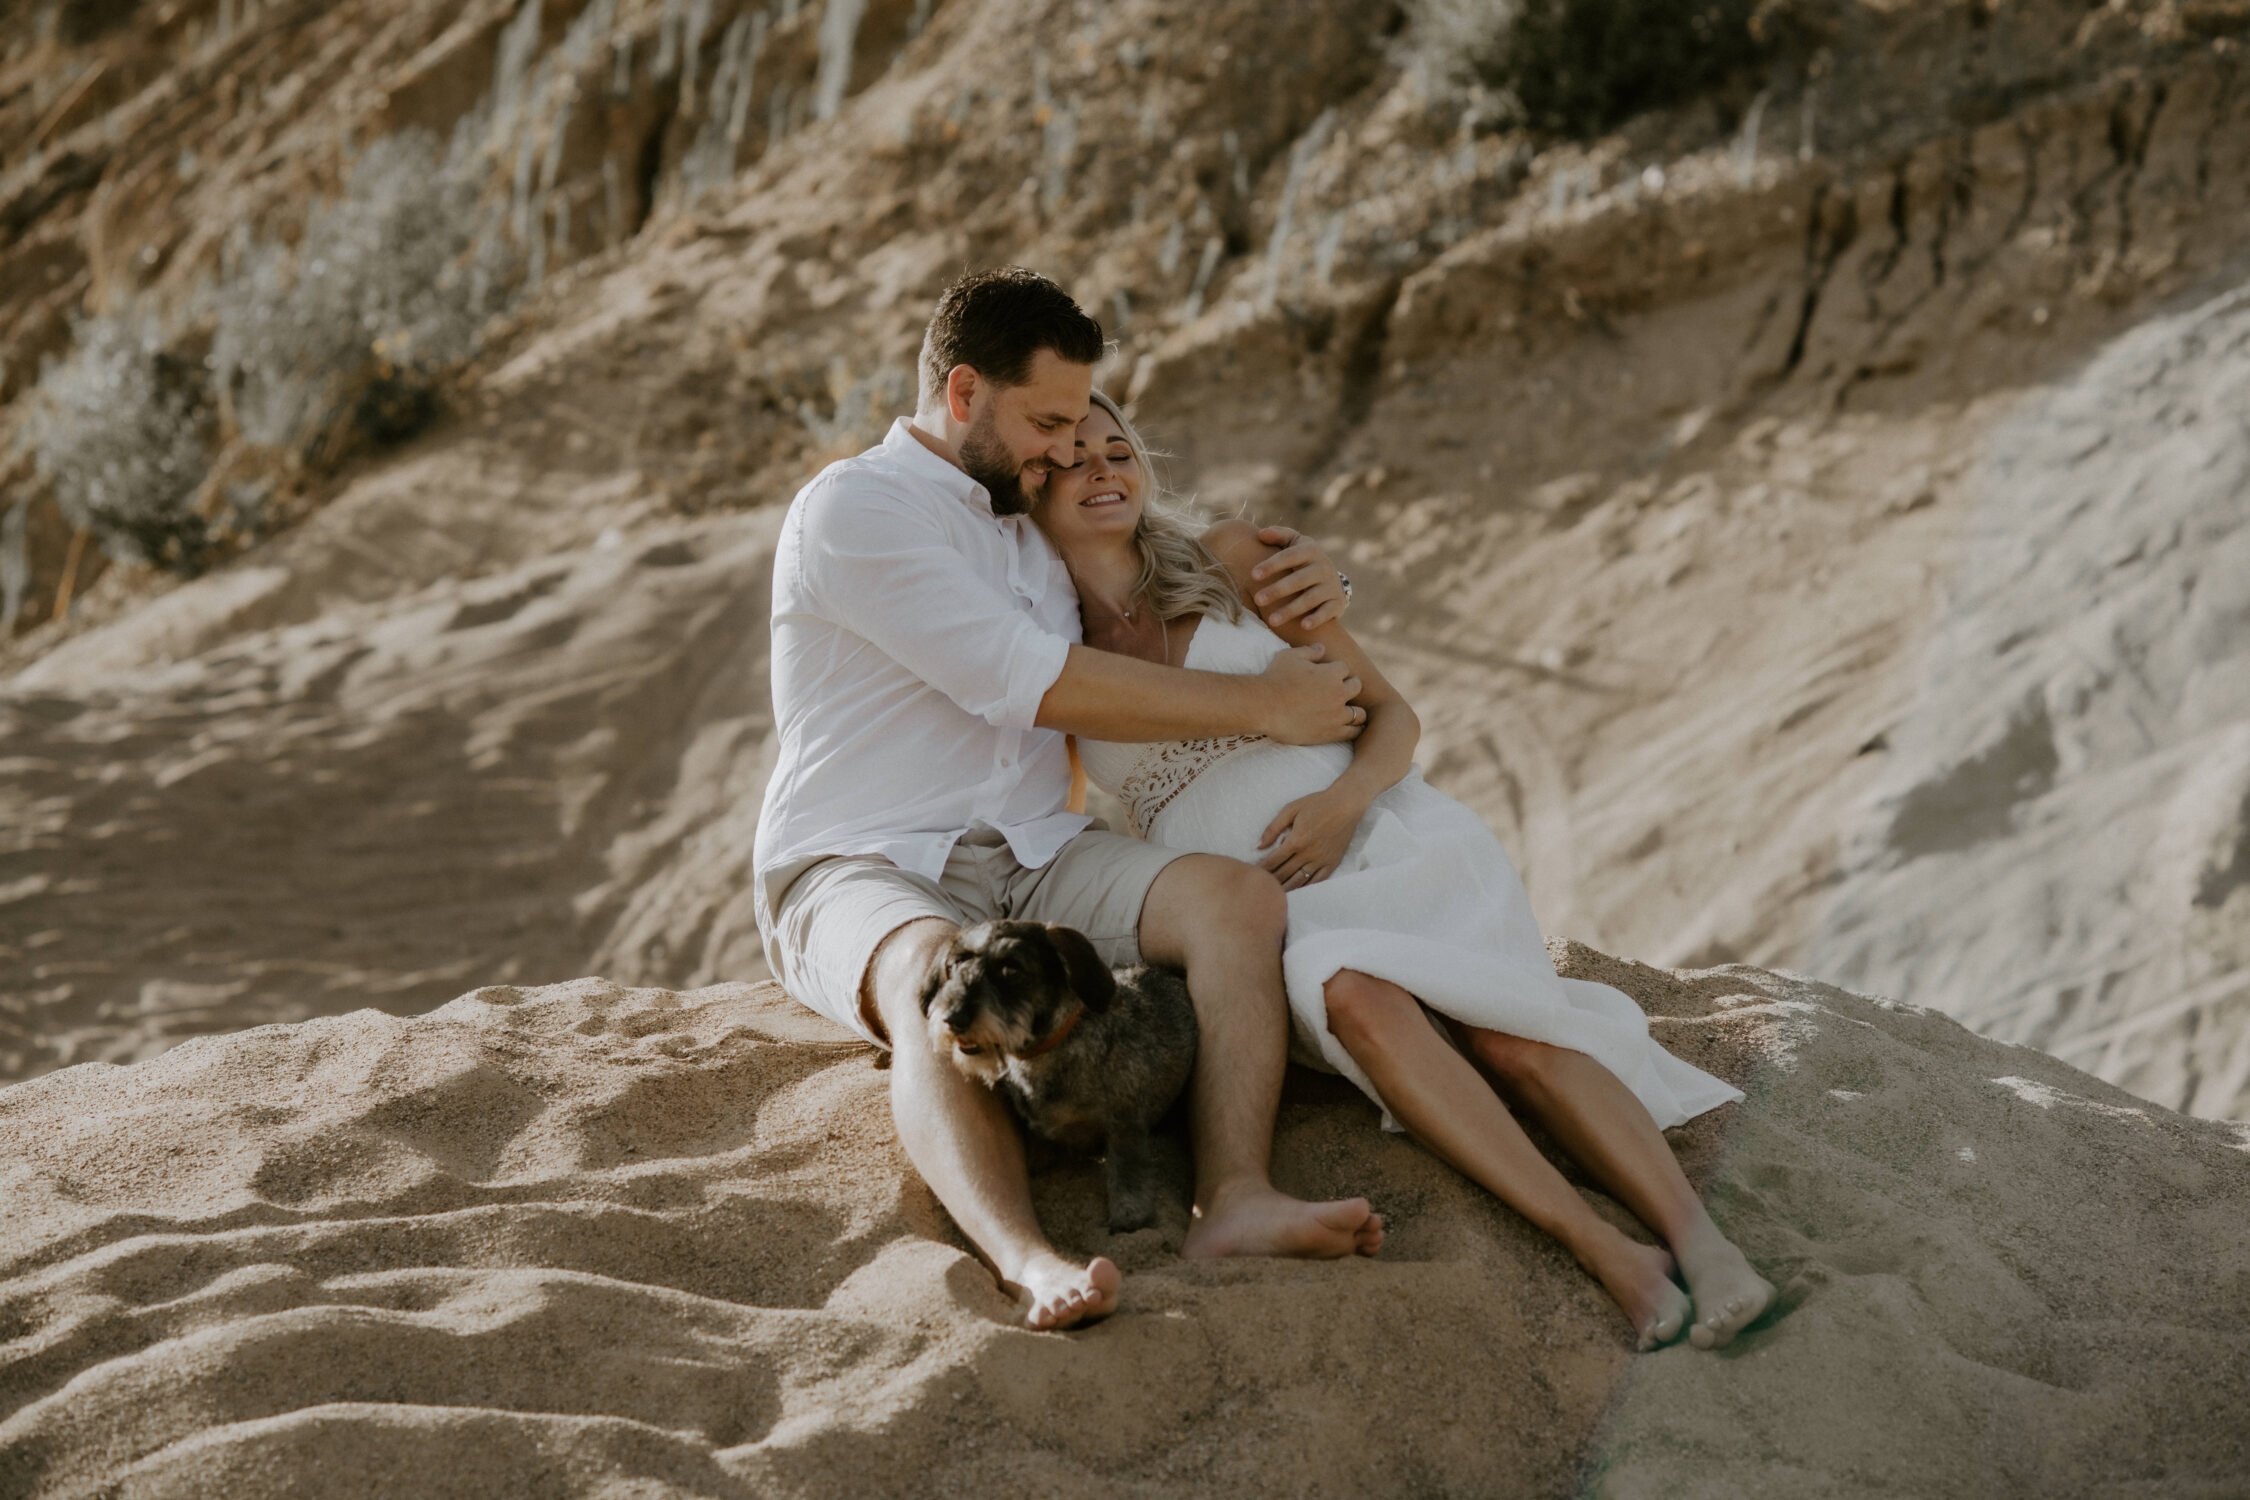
x=1425 y=896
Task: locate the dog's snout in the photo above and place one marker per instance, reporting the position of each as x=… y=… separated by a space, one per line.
x=952 y=1016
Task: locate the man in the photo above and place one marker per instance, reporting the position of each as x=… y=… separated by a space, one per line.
x=925 y=670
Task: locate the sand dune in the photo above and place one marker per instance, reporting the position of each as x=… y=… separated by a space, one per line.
x=382 y=803
x=584 y=1239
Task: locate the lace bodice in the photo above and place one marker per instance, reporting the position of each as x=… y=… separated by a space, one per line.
x=1149 y=778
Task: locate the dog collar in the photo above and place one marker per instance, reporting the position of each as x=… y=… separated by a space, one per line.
x=1055 y=1037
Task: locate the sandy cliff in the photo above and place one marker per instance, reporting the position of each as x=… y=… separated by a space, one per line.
x=1665 y=462
x=2060 y=840
x=1809 y=519
x=588 y=1239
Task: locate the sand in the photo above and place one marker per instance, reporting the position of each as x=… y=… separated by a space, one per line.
x=1680 y=504
x=582 y=1239
x=2081 y=742
x=1660 y=491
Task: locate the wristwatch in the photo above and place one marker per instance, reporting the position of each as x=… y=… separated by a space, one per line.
x=1345 y=579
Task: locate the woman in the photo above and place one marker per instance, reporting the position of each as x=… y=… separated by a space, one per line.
x=1405 y=915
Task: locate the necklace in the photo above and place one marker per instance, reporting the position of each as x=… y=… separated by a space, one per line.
x=1122 y=614
x=1126 y=617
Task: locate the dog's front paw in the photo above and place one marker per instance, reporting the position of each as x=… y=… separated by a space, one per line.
x=1129 y=1170
x=1131 y=1211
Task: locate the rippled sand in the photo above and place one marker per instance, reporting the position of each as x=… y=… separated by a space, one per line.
x=589 y=1240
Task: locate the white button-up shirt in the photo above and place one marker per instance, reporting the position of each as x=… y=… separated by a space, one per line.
x=914 y=635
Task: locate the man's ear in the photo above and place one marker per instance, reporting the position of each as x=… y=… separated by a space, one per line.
x=1088 y=975
x=961 y=387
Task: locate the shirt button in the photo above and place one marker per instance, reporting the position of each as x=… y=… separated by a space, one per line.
x=1005 y=762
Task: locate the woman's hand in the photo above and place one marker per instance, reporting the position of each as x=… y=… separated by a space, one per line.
x=1306 y=840
x=1299 y=583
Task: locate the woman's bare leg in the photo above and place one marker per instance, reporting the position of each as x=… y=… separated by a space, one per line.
x=1438 y=1094
x=1602 y=1123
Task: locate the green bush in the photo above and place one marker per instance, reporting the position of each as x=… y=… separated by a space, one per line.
x=1582 y=67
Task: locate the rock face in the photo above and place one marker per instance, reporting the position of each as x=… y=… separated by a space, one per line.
x=2061 y=839
x=1653 y=457
x=584 y=1239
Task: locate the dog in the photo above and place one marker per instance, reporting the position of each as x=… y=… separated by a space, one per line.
x=1090 y=1058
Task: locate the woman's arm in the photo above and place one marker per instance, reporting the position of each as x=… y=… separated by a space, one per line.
x=1077 y=802
x=1310 y=834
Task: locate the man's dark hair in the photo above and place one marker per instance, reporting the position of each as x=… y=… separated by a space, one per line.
x=996 y=322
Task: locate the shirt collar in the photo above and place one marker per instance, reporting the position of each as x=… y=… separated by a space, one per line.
x=906 y=450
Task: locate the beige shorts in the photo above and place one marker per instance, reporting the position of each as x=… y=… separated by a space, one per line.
x=836 y=913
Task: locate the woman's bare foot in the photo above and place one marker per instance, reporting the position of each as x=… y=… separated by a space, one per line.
x=1260 y=1220
x=1640 y=1278
x=1064 y=1294
x=1729 y=1293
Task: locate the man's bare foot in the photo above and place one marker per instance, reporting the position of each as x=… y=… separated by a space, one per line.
x=1063 y=1294
x=1262 y=1221
x=1729 y=1293
x=1640 y=1278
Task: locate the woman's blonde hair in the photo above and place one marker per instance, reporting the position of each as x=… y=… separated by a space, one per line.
x=1179 y=575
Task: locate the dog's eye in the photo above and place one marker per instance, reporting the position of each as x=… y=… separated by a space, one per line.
x=969 y=1049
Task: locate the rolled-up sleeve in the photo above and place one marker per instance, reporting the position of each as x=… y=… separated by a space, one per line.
x=887 y=572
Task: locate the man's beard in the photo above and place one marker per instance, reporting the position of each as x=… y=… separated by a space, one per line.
x=986 y=459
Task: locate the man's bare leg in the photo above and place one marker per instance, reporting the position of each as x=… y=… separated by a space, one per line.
x=968 y=1148
x=1222 y=922
x=1603 y=1124
x=1439 y=1096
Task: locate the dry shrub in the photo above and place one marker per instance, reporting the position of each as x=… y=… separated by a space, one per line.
x=344 y=336
x=336 y=343
x=1449 y=45
x=120 y=428
x=1582 y=67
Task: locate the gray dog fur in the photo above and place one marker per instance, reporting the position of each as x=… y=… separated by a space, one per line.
x=1004 y=989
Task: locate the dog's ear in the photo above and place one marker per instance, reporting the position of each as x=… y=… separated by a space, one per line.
x=941 y=972
x=1088 y=975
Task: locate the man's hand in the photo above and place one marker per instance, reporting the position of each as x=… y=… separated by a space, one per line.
x=1298 y=583
x=1311 y=699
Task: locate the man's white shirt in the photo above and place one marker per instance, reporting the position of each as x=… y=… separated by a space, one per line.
x=914 y=635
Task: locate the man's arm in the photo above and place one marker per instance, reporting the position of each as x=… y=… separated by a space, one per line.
x=884 y=569
x=1298 y=585
x=1299 y=699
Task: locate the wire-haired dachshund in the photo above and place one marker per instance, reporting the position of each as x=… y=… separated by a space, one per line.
x=1090 y=1057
